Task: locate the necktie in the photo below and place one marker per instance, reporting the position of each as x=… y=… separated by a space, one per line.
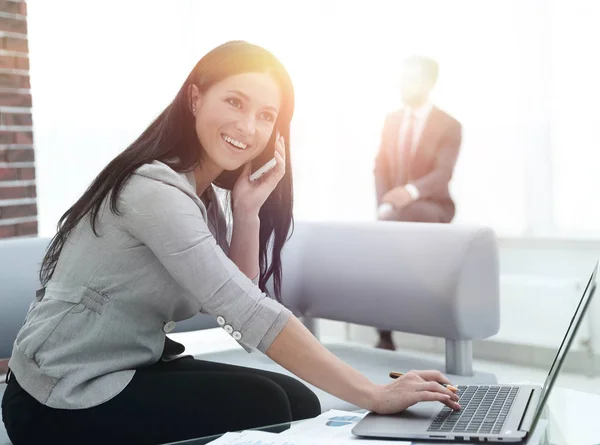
x=405 y=146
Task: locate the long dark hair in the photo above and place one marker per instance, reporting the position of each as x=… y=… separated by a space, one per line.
x=172 y=139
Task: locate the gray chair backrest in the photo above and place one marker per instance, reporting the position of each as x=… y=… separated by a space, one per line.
x=390 y=274
x=20 y=261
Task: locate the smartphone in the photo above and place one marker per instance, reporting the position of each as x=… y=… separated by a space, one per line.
x=263 y=170
x=266 y=161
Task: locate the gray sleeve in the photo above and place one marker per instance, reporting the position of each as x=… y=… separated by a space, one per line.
x=172 y=225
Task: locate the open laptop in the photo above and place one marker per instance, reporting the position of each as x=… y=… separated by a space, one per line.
x=492 y=413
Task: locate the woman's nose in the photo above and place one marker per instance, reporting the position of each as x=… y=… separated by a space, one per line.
x=246 y=126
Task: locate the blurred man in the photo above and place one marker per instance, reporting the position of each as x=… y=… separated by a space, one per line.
x=416 y=159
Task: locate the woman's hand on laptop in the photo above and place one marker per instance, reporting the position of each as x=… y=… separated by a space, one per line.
x=414 y=387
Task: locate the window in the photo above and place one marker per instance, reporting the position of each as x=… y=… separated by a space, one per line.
x=519 y=75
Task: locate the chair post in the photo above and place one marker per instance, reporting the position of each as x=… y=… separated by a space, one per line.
x=459 y=357
x=311 y=325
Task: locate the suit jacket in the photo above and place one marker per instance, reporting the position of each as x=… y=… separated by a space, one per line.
x=429 y=167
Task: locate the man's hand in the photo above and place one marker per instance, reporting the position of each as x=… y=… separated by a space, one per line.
x=398 y=197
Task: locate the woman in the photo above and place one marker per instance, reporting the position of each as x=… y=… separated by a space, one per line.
x=146 y=246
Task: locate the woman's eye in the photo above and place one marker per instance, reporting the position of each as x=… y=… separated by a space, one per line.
x=235 y=102
x=267 y=117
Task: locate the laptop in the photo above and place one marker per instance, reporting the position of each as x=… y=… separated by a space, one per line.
x=492 y=413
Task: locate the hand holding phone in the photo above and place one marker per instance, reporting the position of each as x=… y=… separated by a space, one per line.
x=268 y=165
x=250 y=192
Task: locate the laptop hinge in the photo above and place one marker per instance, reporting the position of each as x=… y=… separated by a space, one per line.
x=529 y=414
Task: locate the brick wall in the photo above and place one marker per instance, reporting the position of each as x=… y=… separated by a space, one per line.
x=18 y=208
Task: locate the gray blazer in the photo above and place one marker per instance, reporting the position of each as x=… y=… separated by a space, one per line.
x=113 y=298
x=431 y=166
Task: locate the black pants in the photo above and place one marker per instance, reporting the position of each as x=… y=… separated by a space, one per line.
x=165 y=402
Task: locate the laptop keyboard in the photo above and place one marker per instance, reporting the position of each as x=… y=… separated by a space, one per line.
x=484 y=410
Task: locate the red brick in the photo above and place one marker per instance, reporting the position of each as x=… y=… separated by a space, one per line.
x=9 y=174
x=16 y=119
x=24 y=137
x=16 y=137
x=22 y=63
x=10 y=61
x=13 y=44
x=7 y=137
x=19 y=155
x=18 y=211
x=15 y=99
x=8 y=231
x=14 y=62
x=12 y=7
x=28 y=228
x=13 y=25
x=27 y=173
x=17 y=192
x=11 y=80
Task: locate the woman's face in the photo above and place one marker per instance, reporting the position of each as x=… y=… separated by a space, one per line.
x=235 y=118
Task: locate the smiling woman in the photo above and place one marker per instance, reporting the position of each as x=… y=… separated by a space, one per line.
x=146 y=235
x=146 y=246
x=238 y=91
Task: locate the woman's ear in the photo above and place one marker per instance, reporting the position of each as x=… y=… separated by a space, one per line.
x=194 y=98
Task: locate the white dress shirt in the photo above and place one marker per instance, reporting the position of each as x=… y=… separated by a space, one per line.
x=420 y=115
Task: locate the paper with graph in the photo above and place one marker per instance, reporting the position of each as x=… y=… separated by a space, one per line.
x=333 y=428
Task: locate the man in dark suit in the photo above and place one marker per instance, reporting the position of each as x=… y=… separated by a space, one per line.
x=416 y=159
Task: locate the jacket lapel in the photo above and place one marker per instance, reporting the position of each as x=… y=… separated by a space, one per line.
x=397 y=164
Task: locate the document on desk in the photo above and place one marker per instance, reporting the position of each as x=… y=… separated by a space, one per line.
x=334 y=426
x=264 y=438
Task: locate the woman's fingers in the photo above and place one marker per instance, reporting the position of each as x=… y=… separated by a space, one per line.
x=436 y=387
x=280 y=162
x=432 y=396
x=280 y=148
x=433 y=376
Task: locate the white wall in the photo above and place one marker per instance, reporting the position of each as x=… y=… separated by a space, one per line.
x=100 y=72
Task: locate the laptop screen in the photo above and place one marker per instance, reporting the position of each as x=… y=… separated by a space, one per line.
x=588 y=293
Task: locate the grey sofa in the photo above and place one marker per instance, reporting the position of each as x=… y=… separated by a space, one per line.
x=439 y=280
